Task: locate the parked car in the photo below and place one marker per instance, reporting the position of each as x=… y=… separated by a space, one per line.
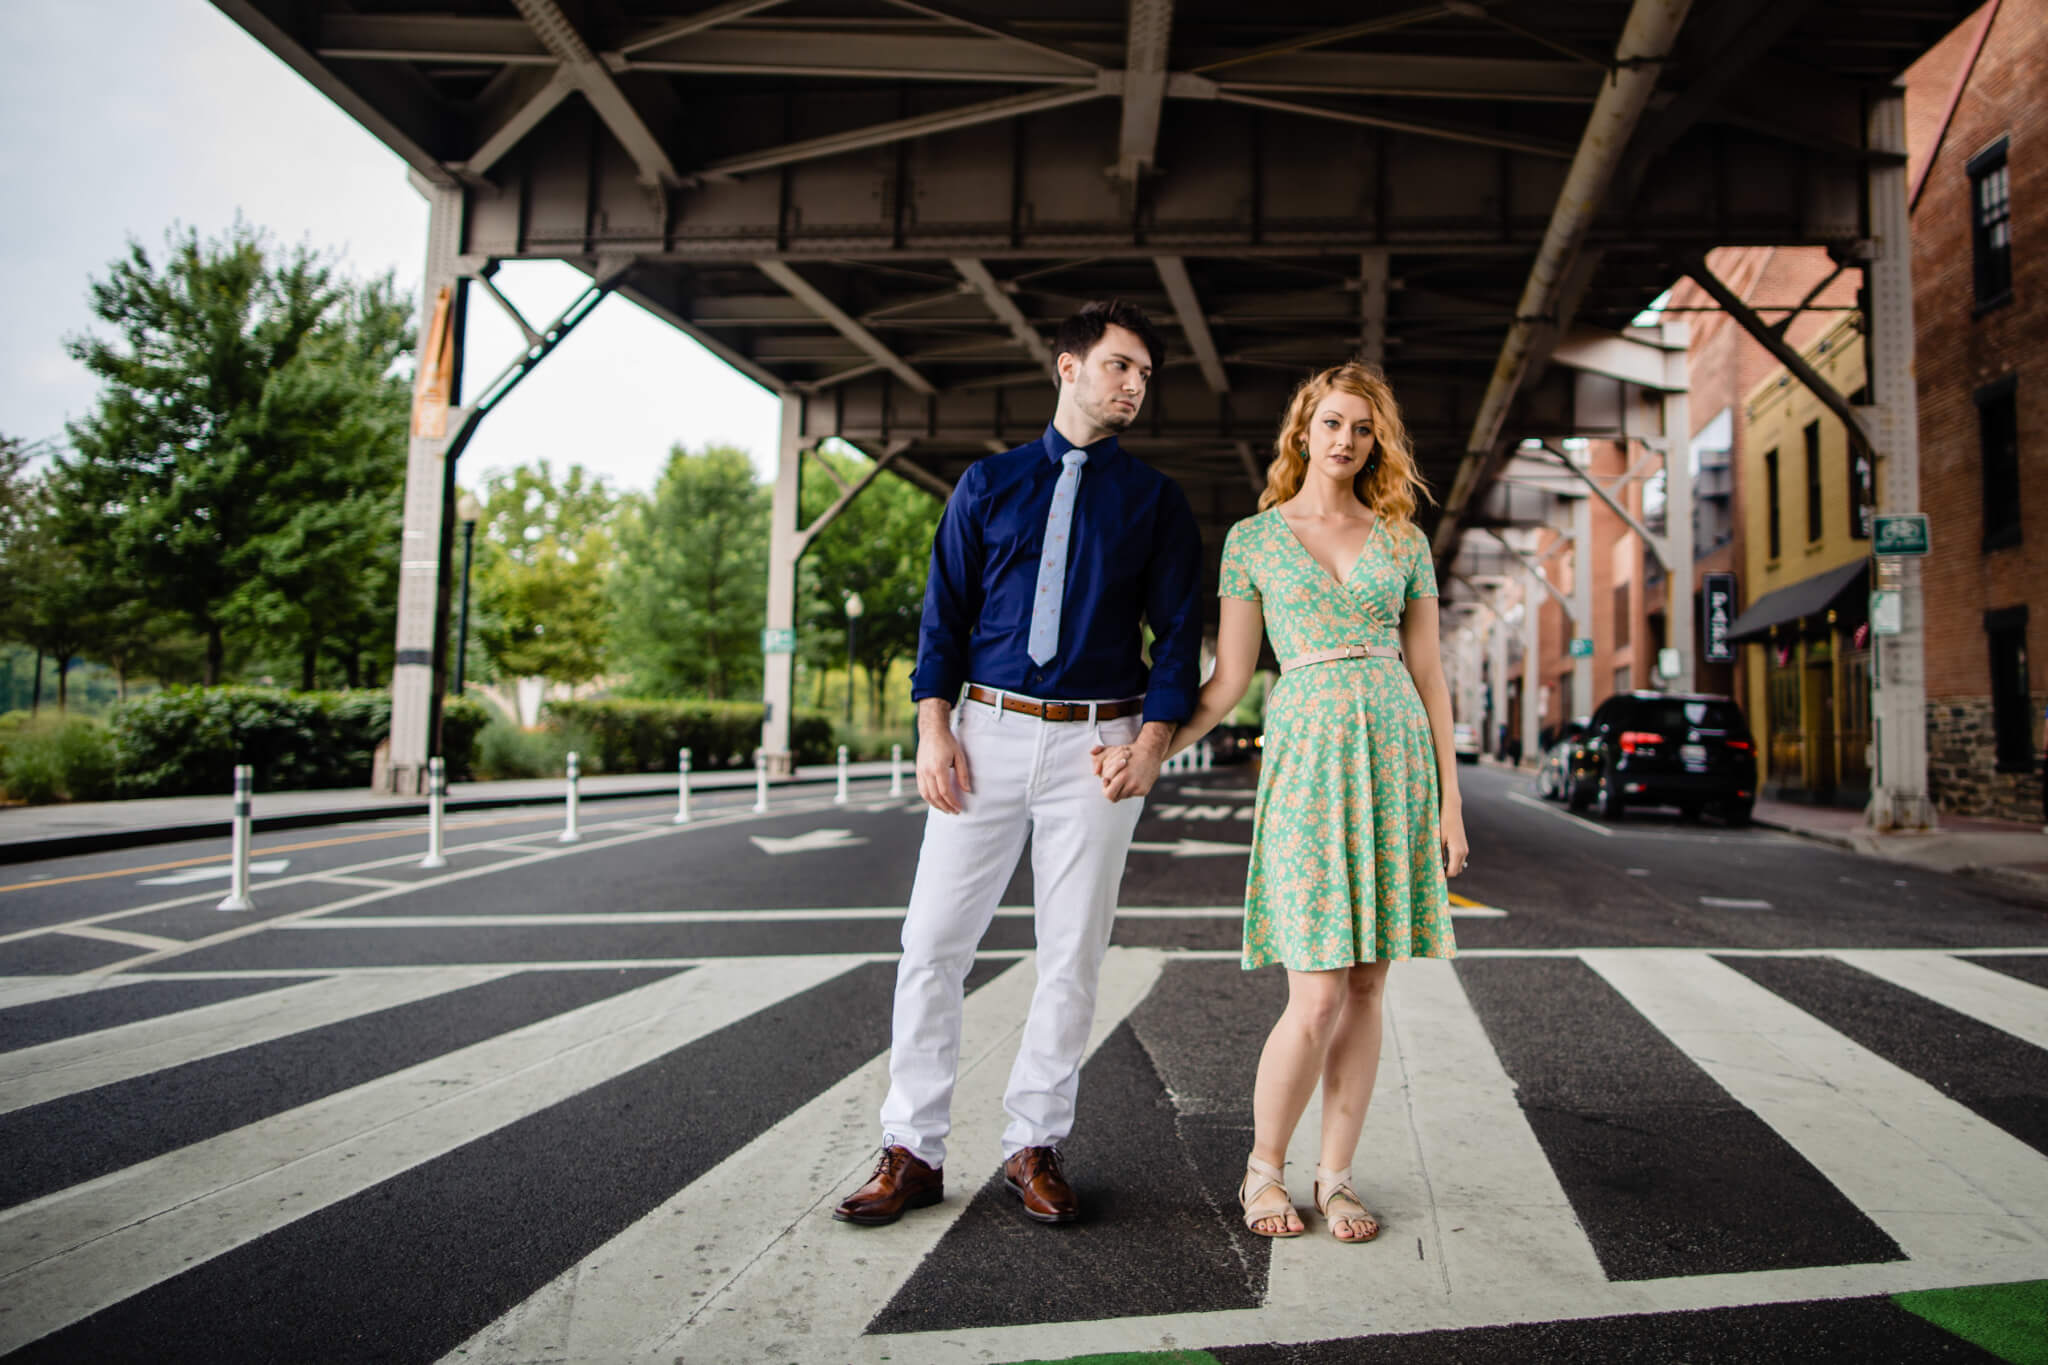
x=1665 y=749
x=1465 y=741
x=1554 y=773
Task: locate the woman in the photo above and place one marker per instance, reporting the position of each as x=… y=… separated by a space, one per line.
x=1358 y=820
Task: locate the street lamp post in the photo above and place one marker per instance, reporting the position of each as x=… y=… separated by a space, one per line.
x=468 y=509
x=853 y=611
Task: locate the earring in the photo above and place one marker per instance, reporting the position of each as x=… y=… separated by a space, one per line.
x=1303 y=452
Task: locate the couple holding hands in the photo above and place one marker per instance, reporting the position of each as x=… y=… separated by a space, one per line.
x=1046 y=561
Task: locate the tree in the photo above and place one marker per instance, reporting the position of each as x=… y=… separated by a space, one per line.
x=52 y=605
x=689 y=596
x=879 y=547
x=238 y=469
x=544 y=551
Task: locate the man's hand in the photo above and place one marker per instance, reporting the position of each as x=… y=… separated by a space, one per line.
x=1139 y=766
x=941 y=762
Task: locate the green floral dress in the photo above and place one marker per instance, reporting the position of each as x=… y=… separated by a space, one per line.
x=1346 y=862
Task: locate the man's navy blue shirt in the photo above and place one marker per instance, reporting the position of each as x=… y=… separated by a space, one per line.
x=1135 y=553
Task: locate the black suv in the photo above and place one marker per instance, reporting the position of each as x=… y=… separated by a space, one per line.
x=1665 y=749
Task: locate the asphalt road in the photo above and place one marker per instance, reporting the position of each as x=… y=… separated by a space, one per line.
x=1689 y=1093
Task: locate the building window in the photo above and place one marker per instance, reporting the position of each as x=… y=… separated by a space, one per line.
x=1812 y=482
x=1622 y=681
x=1998 y=448
x=1771 y=492
x=2012 y=711
x=1991 y=225
x=1621 y=615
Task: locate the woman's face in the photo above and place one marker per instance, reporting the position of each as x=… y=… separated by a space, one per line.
x=1340 y=438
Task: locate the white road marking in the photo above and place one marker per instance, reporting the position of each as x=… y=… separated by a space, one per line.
x=1548 y=809
x=633 y=1294
x=16 y=991
x=2004 y=1002
x=185 y=876
x=73 y=1253
x=808 y=842
x=1734 y=903
x=125 y=937
x=1195 y=848
x=339 y=880
x=1942 y=1183
x=67 y=1066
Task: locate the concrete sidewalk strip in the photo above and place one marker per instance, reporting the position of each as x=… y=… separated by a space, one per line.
x=1502 y=1222
x=832 y=1279
x=33 y=1075
x=1993 y=998
x=73 y=1253
x=631 y=1296
x=1940 y=1181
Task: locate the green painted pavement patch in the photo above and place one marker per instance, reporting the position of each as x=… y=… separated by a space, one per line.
x=2008 y=1320
x=1133 y=1358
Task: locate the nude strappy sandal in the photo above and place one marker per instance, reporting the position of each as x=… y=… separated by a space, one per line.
x=1338 y=1186
x=1268 y=1178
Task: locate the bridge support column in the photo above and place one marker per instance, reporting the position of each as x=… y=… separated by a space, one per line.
x=1898 y=683
x=785 y=547
x=1678 y=509
x=1581 y=703
x=427 y=528
x=1533 y=593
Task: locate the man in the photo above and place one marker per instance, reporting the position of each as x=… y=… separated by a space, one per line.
x=1046 y=559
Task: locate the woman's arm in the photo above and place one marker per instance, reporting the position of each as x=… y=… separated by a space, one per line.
x=1239 y=628
x=1420 y=651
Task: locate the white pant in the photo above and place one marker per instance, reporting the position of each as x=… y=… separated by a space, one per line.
x=1029 y=775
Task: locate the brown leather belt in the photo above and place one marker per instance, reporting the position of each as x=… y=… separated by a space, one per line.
x=1055 y=710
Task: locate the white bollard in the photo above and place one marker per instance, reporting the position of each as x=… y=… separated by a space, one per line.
x=570 y=834
x=1208 y=756
x=760 y=781
x=840 y=798
x=437 y=806
x=895 y=770
x=683 y=789
x=238 y=886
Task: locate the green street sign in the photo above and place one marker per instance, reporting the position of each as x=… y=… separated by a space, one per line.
x=1582 y=647
x=1903 y=534
x=775 y=641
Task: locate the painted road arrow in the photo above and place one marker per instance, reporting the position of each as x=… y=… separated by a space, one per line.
x=806 y=843
x=1194 y=848
x=269 y=867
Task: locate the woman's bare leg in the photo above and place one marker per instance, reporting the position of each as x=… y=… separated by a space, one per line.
x=1289 y=1067
x=1350 y=1066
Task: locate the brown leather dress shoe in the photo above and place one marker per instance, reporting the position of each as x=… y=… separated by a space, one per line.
x=1034 y=1175
x=900 y=1182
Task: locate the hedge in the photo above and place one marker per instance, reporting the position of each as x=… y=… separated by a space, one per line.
x=186 y=741
x=630 y=736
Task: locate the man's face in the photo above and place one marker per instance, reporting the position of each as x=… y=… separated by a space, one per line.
x=1108 y=384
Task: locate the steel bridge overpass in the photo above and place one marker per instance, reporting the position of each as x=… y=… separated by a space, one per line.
x=880 y=208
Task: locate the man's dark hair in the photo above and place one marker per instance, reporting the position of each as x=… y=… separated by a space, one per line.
x=1079 y=333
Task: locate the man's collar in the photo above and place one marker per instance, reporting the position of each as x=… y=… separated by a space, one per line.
x=1057 y=446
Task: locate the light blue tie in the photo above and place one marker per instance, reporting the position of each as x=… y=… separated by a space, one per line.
x=1044 y=640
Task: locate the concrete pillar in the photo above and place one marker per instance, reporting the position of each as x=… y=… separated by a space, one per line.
x=1497 y=679
x=1582 y=603
x=785 y=547
x=422 y=591
x=1533 y=596
x=1898 y=686
x=1678 y=509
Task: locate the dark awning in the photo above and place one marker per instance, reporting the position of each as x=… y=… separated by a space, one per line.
x=1807 y=597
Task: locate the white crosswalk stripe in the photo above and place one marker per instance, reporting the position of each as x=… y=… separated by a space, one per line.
x=744 y=1262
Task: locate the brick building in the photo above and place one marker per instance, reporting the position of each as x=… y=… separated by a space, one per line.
x=1977 y=120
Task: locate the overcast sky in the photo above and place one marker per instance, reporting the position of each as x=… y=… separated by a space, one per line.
x=119 y=118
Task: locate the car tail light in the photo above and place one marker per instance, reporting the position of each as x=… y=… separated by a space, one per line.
x=1631 y=740
x=1744 y=745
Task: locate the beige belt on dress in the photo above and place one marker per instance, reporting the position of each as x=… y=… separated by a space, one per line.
x=1323 y=656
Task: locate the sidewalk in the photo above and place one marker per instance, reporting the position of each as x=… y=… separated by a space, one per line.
x=31 y=833
x=2012 y=855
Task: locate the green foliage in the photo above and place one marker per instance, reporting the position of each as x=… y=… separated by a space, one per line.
x=879 y=547
x=504 y=751
x=186 y=741
x=689 y=595
x=55 y=760
x=864 y=745
x=629 y=736
x=240 y=471
x=543 y=551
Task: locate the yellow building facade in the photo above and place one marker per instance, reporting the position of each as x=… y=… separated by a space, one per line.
x=1805 y=634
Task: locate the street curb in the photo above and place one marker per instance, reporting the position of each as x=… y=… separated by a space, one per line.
x=1850 y=842
x=104 y=841
x=2032 y=885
